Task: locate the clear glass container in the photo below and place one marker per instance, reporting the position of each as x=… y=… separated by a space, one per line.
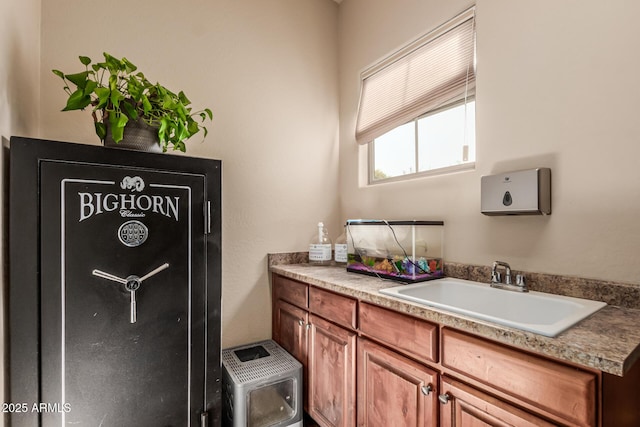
x=320 y=247
x=406 y=251
x=341 y=249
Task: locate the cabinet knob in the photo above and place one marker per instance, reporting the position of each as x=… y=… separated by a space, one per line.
x=426 y=389
x=444 y=398
x=301 y=322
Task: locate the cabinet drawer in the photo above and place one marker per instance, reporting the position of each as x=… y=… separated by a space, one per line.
x=469 y=407
x=337 y=308
x=566 y=393
x=415 y=337
x=292 y=291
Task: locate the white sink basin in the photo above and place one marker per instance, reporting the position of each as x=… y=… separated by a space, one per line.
x=538 y=312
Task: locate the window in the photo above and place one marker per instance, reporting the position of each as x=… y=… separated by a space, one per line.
x=417 y=107
x=439 y=141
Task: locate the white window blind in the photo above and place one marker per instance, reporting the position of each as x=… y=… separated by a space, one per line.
x=430 y=72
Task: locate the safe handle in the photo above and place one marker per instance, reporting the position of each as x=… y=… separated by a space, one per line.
x=132 y=284
x=154 y=272
x=108 y=276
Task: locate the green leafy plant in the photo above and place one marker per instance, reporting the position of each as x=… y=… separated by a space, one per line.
x=118 y=94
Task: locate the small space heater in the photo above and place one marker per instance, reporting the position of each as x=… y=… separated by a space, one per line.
x=262 y=386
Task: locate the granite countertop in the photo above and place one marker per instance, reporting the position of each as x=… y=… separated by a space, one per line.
x=609 y=340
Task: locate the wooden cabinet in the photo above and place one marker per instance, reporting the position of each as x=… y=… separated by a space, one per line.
x=292 y=291
x=393 y=390
x=290 y=321
x=332 y=374
x=555 y=390
x=464 y=406
x=337 y=308
x=291 y=330
x=326 y=350
x=290 y=318
x=406 y=371
x=412 y=336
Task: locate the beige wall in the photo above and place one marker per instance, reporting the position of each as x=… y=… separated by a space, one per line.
x=19 y=103
x=268 y=70
x=555 y=88
x=19 y=67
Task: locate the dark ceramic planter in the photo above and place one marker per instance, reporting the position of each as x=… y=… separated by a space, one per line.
x=137 y=136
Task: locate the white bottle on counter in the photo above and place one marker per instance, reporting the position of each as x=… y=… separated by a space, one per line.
x=320 y=247
x=340 y=248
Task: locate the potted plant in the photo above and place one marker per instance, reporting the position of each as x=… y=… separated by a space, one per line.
x=122 y=99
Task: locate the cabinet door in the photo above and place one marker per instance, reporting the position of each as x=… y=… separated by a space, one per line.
x=332 y=374
x=464 y=406
x=116 y=293
x=291 y=329
x=394 y=390
x=115 y=287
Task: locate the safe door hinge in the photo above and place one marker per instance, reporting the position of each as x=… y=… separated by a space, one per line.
x=204 y=419
x=207 y=218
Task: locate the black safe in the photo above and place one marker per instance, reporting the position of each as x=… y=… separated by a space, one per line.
x=115 y=287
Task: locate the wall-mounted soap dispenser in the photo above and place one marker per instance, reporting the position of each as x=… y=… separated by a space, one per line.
x=525 y=192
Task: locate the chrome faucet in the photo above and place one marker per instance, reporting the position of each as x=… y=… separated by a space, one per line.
x=496 y=278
